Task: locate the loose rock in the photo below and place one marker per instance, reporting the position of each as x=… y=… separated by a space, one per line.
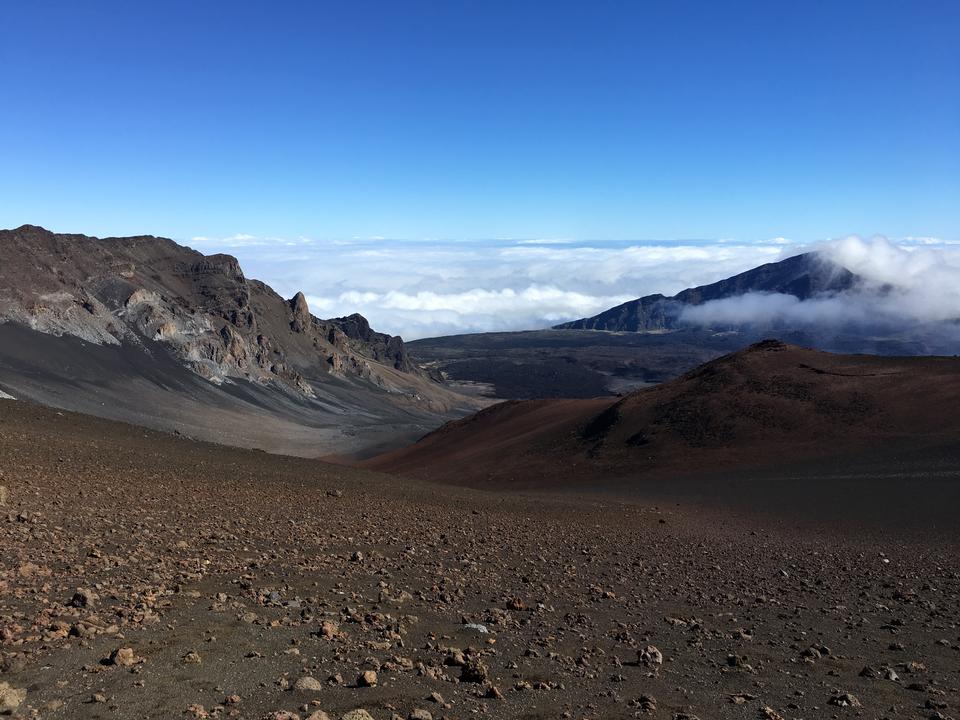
x=358 y=714
x=308 y=684
x=650 y=656
x=368 y=678
x=845 y=700
x=123 y=657
x=10 y=698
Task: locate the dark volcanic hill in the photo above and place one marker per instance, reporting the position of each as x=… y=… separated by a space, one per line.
x=566 y=363
x=767 y=405
x=653 y=339
x=145 y=330
x=803 y=276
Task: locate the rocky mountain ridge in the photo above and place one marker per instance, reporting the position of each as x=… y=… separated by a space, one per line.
x=803 y=276
x=146 y=331
x=219 y=323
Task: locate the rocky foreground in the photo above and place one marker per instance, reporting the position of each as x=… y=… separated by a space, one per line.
x=147 y=576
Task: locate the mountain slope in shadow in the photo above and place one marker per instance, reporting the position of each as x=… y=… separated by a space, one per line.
x=768 y=405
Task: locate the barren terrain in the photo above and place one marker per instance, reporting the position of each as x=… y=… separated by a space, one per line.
x=149 y=576
x=568 y=363
x=147 y=331
x=771 y=405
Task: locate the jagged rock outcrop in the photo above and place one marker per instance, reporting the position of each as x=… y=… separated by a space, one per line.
x=143 y=290
x=302 y=319
x=387 y=349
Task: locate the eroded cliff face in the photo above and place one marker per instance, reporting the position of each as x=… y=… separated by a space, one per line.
x=144 y=290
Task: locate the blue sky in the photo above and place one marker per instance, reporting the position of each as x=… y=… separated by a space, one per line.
x=604 y=123
x=483 y=119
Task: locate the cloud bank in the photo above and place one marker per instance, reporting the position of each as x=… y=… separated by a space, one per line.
x=427 y=288
x=901 y=286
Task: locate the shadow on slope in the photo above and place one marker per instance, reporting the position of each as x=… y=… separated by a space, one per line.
x=769 y=404
x=145 y=385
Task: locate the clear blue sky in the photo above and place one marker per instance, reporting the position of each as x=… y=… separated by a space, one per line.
x=482 y=119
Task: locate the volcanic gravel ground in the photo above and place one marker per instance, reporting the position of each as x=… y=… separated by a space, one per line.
x=148 y=576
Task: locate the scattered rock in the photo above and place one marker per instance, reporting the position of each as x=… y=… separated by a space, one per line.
x=84 y=598
x=647 y=703
x=845 y=700
x=474 y=671
x=308 y=684
x=738 y=661
x=493 y=692
x=358 y=714
x=368 y=678
x=650 y=656
x=573 y=648
x=10 y=698
x=330 y=630
x=123 y=657
x=193 y=658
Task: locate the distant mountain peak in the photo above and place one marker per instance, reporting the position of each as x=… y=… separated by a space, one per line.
x=803 y=276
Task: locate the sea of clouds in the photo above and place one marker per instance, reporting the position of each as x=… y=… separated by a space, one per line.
x=427 y=288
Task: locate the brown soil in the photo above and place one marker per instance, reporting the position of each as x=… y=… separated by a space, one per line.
x=238 y=559
x=770 y=406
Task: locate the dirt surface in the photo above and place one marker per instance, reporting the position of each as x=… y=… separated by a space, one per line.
x=153 y=389
x=569 y=363
x=233 y=583
x=771 y=405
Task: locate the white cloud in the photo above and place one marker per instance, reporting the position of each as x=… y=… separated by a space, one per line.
x=474 y=310
x=429 y=287
x=424 y=288
x=241 y=240
x=901 y=286
x=923 y=240
x=546 y=241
